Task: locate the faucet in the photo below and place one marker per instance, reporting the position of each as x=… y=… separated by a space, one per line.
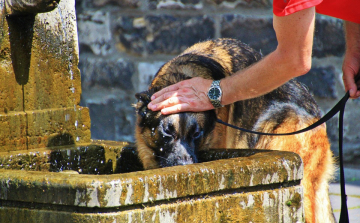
x=25 y=7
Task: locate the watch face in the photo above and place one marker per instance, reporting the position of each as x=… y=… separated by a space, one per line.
x=214 y=93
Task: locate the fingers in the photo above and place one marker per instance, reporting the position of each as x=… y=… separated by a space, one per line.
x=173 y=105
x=353 y=89
x=189 y=106
x=170 y=89
x=350 y=84
x=175 y=109
x=188 y=95
x=165 y=100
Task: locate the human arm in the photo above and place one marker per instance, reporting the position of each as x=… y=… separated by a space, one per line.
x=291 y=58
x=351 y=65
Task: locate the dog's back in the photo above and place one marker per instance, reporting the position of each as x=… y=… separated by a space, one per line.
x=286 y=109
x=214 y=59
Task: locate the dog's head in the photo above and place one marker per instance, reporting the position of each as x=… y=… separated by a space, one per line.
x=173 y=139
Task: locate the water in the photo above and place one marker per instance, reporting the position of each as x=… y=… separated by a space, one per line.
x=83 y=159
x=65 y=40
x=95 y=159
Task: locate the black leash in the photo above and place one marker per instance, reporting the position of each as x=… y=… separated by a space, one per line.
x=339 y=107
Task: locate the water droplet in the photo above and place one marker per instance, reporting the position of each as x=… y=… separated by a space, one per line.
x=67 y=117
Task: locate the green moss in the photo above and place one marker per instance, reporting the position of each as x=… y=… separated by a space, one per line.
x=295 y=201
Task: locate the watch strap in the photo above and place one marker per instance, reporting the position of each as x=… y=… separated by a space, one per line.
x=216 y=103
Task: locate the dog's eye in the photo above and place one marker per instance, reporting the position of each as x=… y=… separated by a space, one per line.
x=196 y=134
x=169 y=131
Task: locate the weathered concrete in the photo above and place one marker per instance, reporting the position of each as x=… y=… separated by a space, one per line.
x=45 y=125
x=262 y=187
x=40 y=83
x=13 y=131
x=264 y=206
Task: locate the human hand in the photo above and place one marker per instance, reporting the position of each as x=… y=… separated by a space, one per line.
x=351 y=65
x=351 y=68
x=187 y=95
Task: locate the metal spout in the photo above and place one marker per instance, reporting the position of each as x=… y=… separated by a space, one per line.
x=25 y=7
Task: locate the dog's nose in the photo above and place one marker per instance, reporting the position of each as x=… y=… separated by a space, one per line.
x=185 y=159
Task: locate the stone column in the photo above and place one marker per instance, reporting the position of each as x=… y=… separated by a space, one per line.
x=40 y=84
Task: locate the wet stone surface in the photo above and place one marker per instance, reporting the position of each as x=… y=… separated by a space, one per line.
x=40 y=84
x=251 y=168
x=84 y=160
x=91 y=159
x=104 y=180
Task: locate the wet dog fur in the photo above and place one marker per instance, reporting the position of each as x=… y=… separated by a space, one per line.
x=175 y=139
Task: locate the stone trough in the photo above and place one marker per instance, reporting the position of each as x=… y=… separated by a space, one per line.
x=257 y=186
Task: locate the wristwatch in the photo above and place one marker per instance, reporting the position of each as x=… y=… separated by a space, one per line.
x=215 y=94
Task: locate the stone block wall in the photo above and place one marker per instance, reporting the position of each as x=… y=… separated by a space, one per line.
x=124 y=42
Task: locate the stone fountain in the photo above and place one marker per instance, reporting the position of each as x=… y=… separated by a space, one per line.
x=51 y=170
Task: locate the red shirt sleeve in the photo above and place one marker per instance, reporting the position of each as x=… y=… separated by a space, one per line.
x=342 y=9
x=287 y=7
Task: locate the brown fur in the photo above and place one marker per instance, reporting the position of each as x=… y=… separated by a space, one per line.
x=286 y=109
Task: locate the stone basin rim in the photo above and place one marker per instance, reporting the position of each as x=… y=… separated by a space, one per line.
x=125 y=189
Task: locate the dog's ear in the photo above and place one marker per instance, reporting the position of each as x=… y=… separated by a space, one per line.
x=146 y=116
x=144 y=99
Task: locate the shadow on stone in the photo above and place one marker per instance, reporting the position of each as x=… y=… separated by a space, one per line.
x=95 y=159
x=83 y=159
x=21 y=34
x=128 y=161
x=62 y=139
x=217 y=154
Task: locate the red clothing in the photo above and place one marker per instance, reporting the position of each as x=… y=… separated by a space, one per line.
x=342 y=9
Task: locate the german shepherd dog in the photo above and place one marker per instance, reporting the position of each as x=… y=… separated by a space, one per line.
x=175 y=139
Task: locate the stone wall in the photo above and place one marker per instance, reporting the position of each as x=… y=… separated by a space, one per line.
x=124 y=42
